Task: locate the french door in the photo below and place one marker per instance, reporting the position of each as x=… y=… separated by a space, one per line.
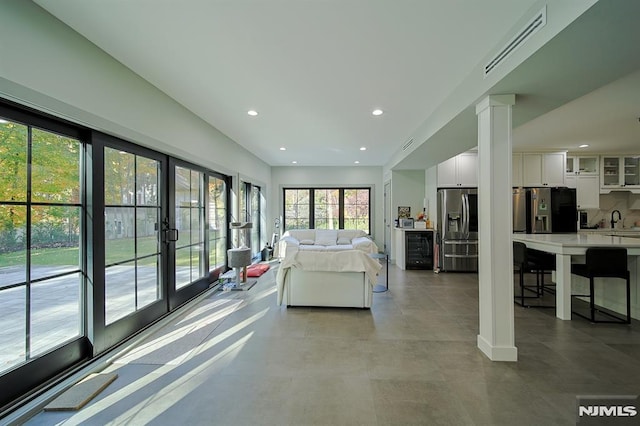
x=130 y=217
x=99 y=238
x=188 y=259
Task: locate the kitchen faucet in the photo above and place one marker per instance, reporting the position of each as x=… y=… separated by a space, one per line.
x=613 y=222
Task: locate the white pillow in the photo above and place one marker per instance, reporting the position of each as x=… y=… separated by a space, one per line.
x=326 y=237
x=343 y=241
x=306 y=242
x=302 y=234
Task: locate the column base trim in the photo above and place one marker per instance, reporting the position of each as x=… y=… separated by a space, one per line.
x=497 y=353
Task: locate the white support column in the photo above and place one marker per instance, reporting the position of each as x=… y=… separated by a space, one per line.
x=563 y=287
x=495 y=223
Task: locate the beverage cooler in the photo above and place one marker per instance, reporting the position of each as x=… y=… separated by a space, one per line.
x=419 y=250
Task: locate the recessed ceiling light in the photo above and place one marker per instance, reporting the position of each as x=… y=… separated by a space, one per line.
x=584 y=145
x=294 y=162
x=363 y=148
x=252 y=112
x=282 y=148
x=356 y=162
x=377 y=112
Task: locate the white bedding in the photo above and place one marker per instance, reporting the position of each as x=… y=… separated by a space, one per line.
x=342 y=261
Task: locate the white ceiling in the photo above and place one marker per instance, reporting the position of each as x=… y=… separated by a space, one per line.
x=607 y=119
x=314 y=70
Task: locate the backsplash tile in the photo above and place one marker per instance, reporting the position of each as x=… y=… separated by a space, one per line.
x=627 y=203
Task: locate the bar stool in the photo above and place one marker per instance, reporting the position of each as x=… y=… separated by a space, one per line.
x=527 y=260
x=543 y=263
x=604 y=262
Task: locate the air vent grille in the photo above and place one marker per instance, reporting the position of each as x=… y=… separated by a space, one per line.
x=407 y=144
x=538 y=21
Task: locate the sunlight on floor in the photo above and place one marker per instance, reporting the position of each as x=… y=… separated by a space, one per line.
x=190 y=380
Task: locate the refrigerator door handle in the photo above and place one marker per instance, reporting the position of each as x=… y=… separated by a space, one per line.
x=465 y=215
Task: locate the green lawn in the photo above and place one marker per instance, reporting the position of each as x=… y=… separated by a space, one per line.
x=117 y=250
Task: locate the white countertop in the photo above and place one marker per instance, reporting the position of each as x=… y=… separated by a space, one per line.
x=415 y=229
x=612 y=231
x=577 y=243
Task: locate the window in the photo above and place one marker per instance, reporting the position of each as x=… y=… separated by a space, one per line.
x=189 y=201
x=217 y=222
x=41 y=263
x=88 y=244
x=356 y=209
x=327 y=208
x=296 y=208
x=132 y=244
x=250 y=198
x=256 y=219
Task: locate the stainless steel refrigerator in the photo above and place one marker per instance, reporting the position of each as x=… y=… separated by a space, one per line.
x=551 y=210
x=458 y=229
x=519 y=210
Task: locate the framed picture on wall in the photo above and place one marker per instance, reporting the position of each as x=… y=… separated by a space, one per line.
x=404 y=212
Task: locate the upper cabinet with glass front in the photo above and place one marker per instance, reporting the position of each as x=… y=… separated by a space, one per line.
x=582 y=165
x=620 y=173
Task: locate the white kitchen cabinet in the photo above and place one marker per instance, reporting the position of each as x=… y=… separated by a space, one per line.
x=582 y=165
x=459 y=171
x=587 y=190
x=544 y=169
x=516 y=169
x=619 y=173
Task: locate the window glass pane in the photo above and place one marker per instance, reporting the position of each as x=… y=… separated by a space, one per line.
x=147 y=182
x=55 y=240
x=356 y=209
x=196 y=188
x=147 y=231
x=217 y=251
x=14 y=330
x=242 y=197
x=296 y=209
x=119 y=177
x=13 y=161
x=196 y=226
x=326 y=208
x=55 y=168
x=217 y=222
x=183 y=267
x=120 y=295
x=13 y=248
x=119 y=234
x=148 y=280
x=190 y=224
x=55 y=312
x=197 y=252
x=183 y=187
x=183 y=225
x=255 y=219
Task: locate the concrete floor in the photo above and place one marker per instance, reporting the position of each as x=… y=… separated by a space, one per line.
x=239 y=359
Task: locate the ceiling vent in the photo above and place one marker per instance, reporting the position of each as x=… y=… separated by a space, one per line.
x=407 y=144
x=538 y=21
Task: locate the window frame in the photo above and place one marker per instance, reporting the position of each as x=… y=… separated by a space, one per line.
x=341 y=200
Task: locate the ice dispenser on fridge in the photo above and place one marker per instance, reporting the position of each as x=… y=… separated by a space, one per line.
x=539 y=211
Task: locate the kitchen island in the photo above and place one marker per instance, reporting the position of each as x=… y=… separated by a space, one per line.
x=568 y=247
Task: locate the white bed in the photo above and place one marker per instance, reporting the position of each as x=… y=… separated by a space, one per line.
x=339 y=279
